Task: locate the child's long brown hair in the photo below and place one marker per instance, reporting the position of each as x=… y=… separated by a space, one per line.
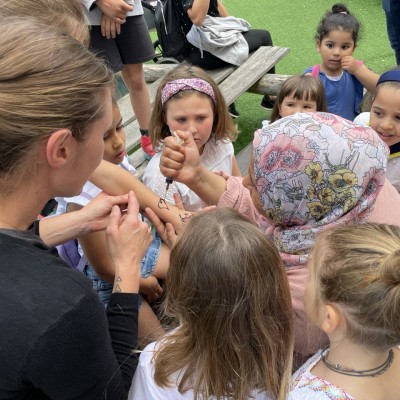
x=223 y=126
x=228 y=289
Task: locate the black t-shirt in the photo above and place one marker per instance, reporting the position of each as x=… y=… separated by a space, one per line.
x=56 y=341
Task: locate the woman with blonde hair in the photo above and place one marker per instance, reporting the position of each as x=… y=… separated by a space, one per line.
x=228 y=292
x=55 y=106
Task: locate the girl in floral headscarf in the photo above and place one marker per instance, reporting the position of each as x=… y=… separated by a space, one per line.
x=307 y=173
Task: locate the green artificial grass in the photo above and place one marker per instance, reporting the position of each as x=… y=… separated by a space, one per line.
x=292 y=23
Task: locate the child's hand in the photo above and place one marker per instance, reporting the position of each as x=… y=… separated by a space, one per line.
x=349 y=63
x=180 y=162
x=150 y=288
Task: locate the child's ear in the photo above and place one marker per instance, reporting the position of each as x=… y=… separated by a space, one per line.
x=318 y=46
x=330 y=319
x=59 y=148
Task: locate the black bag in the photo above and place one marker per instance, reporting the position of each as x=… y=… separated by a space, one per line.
x=169 y=29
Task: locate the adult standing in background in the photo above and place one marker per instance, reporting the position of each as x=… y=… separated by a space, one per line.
x=392 y=12
x=119 y=34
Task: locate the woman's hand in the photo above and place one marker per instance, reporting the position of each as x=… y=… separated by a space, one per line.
x=109 y=27
x=127 y=240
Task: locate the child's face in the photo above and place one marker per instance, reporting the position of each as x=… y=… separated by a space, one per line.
x=385 y=115
x=114 y=139
x=192 y=113
x=291 y=106
x=332 y=48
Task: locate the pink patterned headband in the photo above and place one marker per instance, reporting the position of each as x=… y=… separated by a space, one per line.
x=174 y=87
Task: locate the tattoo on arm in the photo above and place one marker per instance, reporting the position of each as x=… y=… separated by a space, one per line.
x=185 y=217
x=162 y=204
x=117 y=288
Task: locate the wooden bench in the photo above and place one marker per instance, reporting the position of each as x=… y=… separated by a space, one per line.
x=233 y=81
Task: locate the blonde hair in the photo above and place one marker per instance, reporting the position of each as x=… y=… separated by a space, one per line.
x=223 y=126
x=228 y=289
x=358 y=268
x=66 y=15
x=48 y=81
x=300 y=87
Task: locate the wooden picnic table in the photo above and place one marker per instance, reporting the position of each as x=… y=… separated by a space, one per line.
x=233 y=81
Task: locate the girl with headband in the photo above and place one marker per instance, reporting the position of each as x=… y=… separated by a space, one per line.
x=384 y=118
x=189 y=100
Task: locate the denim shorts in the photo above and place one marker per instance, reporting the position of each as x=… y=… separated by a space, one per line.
x=149 y=261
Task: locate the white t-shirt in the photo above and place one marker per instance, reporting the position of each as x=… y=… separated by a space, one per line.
x=144 y=387
x=215 y=157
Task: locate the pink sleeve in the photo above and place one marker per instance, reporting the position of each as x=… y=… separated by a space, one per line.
x=238 y=197
x=387 y=206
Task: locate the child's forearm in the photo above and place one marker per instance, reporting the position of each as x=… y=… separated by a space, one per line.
x=208 y=186
x=368 y=78
x=115 y=180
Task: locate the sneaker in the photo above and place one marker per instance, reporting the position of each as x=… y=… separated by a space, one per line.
x=232 y=111
x=145 y=144
x=267 y=103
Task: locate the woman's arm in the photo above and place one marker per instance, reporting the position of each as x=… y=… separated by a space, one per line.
x=198 y=11
x=115 y=180
x=93 y=217
x=223 y=12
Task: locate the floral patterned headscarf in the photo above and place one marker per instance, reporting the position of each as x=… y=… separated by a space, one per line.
x=313 y=170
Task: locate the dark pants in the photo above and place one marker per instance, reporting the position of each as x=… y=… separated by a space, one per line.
x=255 y=38
x=392 y=11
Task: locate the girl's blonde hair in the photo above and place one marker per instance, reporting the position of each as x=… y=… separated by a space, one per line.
x=48 y=81
x=357 y=267
x=300 y=87
x=66 y=15
x=223 y=126
x=228 y=290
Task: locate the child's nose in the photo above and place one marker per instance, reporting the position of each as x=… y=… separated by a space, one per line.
x=117 y=141
x=192 y=127
x=386 y=124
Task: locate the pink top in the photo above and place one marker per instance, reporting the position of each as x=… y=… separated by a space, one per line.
x=308 y=339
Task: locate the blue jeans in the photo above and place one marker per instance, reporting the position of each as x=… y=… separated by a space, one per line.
x=392 y=11
x=149 y=261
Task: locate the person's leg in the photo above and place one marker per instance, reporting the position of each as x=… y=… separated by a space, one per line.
x=133 y=77
x=392 y=12
x=135 y=47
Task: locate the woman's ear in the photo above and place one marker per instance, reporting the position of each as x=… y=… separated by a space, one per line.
x=59 y=148
x=330 y=319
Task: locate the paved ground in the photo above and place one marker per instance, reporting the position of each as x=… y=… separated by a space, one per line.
x=243 y=159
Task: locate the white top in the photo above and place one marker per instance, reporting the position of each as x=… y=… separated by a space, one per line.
x=94 y=17
x=144 y=387
x=307 y=386
x=89 y=191
x=216 y=157
x=393 y=164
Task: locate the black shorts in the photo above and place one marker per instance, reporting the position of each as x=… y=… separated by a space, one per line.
x=132 y=46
